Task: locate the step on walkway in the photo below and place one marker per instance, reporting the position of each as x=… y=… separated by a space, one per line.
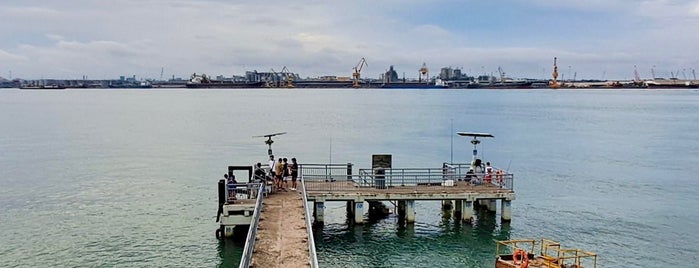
x=281 y=235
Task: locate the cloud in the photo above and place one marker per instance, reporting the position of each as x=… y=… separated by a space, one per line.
x=9 y=57
x=107 y=39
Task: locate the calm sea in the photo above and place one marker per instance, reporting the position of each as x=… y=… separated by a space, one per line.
x=127 y=178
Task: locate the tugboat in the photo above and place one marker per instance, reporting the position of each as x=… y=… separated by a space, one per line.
x=521 y=254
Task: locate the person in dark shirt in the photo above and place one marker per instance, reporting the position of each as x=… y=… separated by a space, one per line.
x=294 y=173
x=471 y=176
x=259 y=173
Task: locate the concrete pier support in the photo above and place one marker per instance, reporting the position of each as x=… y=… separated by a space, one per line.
x=350 y=208
x=410 y=211
x=359 y=212
x=467 y=212
x=319 y=211
x=401 y=209
x=458 y=207
x=506 y=210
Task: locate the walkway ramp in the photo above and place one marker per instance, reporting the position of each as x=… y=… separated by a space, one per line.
x=282 y=240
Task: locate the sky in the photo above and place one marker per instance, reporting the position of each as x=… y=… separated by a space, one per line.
x=150 y=39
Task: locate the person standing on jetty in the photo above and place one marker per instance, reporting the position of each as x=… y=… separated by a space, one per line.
x=294 y=173
x=285 y=171
x=272 y=165
x=278 y=170
x=488 y=173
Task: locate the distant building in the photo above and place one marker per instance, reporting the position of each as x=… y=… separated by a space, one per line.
x=391 y=75
x=448 y=73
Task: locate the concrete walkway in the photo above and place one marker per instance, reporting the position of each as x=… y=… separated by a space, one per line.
x=281 y=234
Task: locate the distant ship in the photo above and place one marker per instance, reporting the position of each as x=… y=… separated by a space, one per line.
x=437 y=84
x=42 y=87
x=507 y=84
x=203 y=81
x=670 y=83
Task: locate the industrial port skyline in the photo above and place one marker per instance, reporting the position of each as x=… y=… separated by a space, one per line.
x=600 y=40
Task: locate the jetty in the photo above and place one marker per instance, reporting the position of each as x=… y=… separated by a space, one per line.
x=278 y=223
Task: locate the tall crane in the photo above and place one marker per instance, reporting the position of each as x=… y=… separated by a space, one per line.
x=554 y=82
x=271 y=79
x=424 y=72
x=502 y=75
x=357 y=72
x=289 y=77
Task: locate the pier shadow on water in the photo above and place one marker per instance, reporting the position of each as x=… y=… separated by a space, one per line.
x=230 y=250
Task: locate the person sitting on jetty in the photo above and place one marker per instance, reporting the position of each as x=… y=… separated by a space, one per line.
x=470 y=175
x=231 y=187
x=260 y=175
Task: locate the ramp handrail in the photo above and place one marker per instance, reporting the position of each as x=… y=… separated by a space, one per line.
x=309 y=229
x=252 y=232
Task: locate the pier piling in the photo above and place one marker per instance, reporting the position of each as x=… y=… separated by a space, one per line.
x=506 y=210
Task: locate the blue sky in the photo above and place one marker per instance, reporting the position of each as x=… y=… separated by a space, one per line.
x=105 y=39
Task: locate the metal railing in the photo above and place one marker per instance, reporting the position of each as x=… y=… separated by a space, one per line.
x=499 y=177
x=309 y=229
x=320 y=177
x=252 y=232
x=238 y=191
x=326 y=172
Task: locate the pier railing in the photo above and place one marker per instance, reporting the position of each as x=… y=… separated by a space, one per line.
x=329 y=172
x=252 y=232
x=319 y=177
x=240 y=191
x=499 y=177
x=309 y=229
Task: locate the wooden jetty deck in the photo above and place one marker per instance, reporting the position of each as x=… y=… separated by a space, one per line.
x=282 y=239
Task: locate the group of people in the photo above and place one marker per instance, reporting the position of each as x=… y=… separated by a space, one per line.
x=281 y=170
x=489 y=173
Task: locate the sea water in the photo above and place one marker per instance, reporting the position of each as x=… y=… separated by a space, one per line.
x=127 y=178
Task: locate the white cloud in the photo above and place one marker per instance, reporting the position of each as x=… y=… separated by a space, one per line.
x=104 y=40
x=9 y=57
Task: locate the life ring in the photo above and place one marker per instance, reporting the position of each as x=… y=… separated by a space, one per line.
x=521 y=257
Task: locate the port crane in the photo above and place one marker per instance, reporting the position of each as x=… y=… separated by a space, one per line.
x=554 y=82
x=502 y=75
x=271 y=79
x=289 y=77
x=424 y=72
x=357 y=72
